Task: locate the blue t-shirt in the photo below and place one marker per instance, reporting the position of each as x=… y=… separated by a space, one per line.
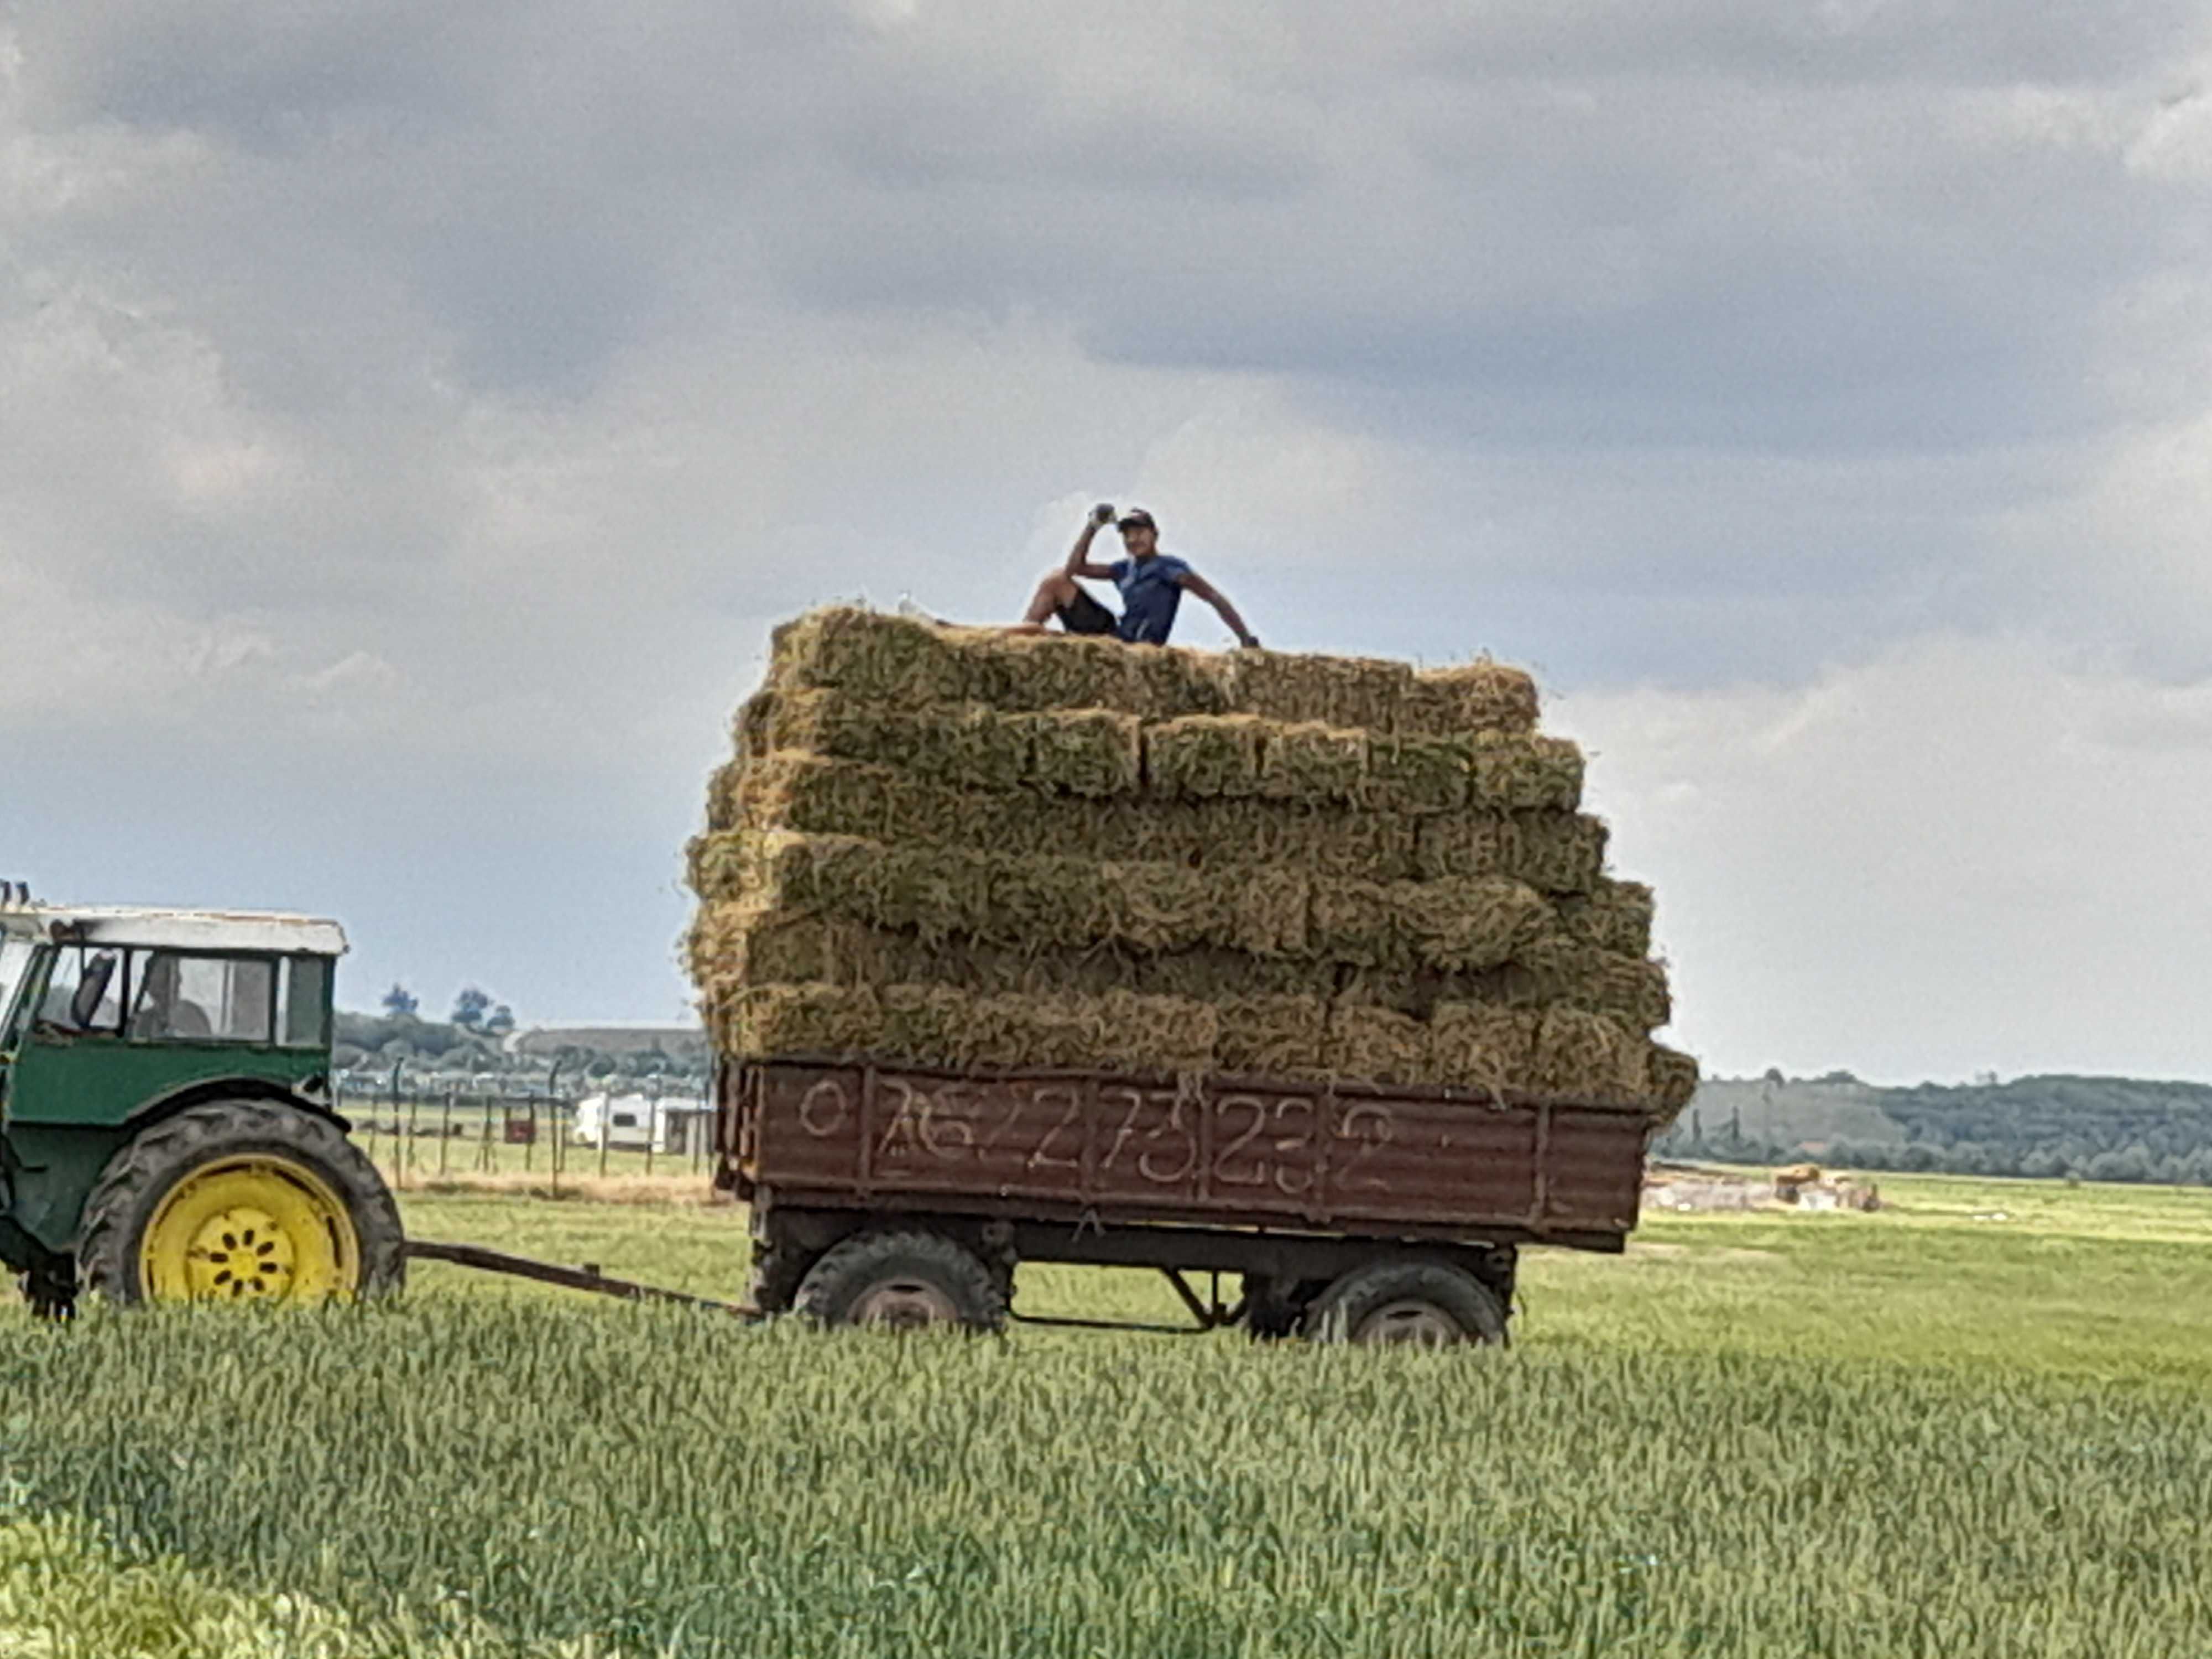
x=1151 y=593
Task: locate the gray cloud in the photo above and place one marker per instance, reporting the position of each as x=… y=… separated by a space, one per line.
x=432 y=407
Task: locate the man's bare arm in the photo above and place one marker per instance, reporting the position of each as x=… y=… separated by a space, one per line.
x=1078 y=562
x=1198 y=587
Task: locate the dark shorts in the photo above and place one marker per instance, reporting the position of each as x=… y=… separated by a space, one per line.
x=1086 y=616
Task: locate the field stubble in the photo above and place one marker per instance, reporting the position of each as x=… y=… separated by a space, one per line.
x=1917 y=1434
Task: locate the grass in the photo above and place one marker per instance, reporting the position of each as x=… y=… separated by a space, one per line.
x=1920 y=1433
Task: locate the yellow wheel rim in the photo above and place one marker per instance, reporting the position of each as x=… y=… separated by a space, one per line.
x=253 y=1229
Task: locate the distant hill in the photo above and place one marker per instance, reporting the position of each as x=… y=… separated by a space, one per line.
x=2096 y=1128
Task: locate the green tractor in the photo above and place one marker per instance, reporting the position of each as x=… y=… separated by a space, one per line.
x=166 y=1126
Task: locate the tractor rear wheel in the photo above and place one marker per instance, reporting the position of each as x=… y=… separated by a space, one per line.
x=902 y=1281
x=241 y=1201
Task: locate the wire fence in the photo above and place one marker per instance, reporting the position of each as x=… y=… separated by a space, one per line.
x=424 y=1129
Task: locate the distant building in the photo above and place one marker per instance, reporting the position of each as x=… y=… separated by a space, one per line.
x=684 y=1042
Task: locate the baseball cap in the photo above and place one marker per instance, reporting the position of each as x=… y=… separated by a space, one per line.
x=1135 y=515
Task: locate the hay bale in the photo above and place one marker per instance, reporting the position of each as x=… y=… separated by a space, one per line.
x=1273 y=1037
x=959 y=743
x=827 y=1020
x=1481 y=1047
x=1093 y=753
x=1031 y=672
x=1555 y=969
x=1214 y=974
x=754 y=729
x=1672 y=1083
x=1179 y=681
x=1418 y=774
x=1155 y=906
x=1204 y=756
x=1312 y=764
x=1324 y=842
x=1557 y=852
x=1358 y=922
x=1268 y=911
x=1376 y=1045
x=793 y=791
x=1476 y=696
x=1614 y=916
x=1341 y=691
x=1587 y=1060
x=1552 y=851
x=882 y=658
x=1512 y=774
x=1467 y=925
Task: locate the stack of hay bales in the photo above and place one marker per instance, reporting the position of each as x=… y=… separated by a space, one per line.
x=957 y=847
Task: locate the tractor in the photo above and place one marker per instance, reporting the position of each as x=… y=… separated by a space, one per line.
x=167 y=1131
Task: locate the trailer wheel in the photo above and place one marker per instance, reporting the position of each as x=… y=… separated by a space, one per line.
x=241 y=1201
x=1275 y=1308
x=1408 y=1303
x=902 y=1281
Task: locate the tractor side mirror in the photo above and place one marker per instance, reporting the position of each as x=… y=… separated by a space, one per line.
x=92 y=990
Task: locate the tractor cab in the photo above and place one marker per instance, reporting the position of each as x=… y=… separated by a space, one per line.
x=165 y=1121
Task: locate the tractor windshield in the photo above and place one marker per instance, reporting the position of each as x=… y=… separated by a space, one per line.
x=15 y=962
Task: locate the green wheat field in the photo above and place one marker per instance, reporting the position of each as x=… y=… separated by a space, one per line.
x=1979 y=1424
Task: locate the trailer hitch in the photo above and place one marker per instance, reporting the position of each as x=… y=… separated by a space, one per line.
x=586 y=1277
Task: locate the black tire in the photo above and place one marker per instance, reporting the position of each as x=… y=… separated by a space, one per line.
x=778 y=1272
x=1275 y=1308
x=904 y=1280
x=1413 y=1302
x=132 y=1190
x=50 y=1291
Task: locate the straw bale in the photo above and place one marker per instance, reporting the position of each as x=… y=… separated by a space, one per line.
x=1587 y=1059
x=1418 y=774
x=802 y=1019
x=1551 y=852
x=1359 y=922
x=1153 y=907
x=1673 y=1082
x=1326 y=842
x=1402 y=926
x=1156 y=1034
x=1032 y=672
x=1269 y=911
x=896 y=660
x=1341 y=691
x=1204 y=756
x=1273 y=1037
x=734 y=942
x=1477 y=1046
x=1513 y=774
x=1376 y=1045
x=958 y=743
x=1214 y=973
x=1467 y=925
x=1615 y=915
x=1091 y=752
x=1557 y=852
x=1476 y=696
x=1312 y=764
x=1179 y=681
x=792 y=791
x=1556 y=969
x=754 y=729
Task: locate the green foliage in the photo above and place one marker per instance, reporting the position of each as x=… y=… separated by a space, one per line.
x=1691 y=1452
x=2116 y=1129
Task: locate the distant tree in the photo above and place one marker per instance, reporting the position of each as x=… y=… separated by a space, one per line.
x=469 y=1008
x=401 y=1003
x=499 y=1022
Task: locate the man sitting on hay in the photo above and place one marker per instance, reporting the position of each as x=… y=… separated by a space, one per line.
x=1152 y=584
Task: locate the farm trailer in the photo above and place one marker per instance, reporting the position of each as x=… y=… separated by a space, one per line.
x=906 y=1196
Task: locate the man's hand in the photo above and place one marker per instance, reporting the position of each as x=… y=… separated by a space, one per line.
x=1250 y=642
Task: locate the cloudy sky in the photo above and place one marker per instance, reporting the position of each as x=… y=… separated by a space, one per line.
x=413 y=414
